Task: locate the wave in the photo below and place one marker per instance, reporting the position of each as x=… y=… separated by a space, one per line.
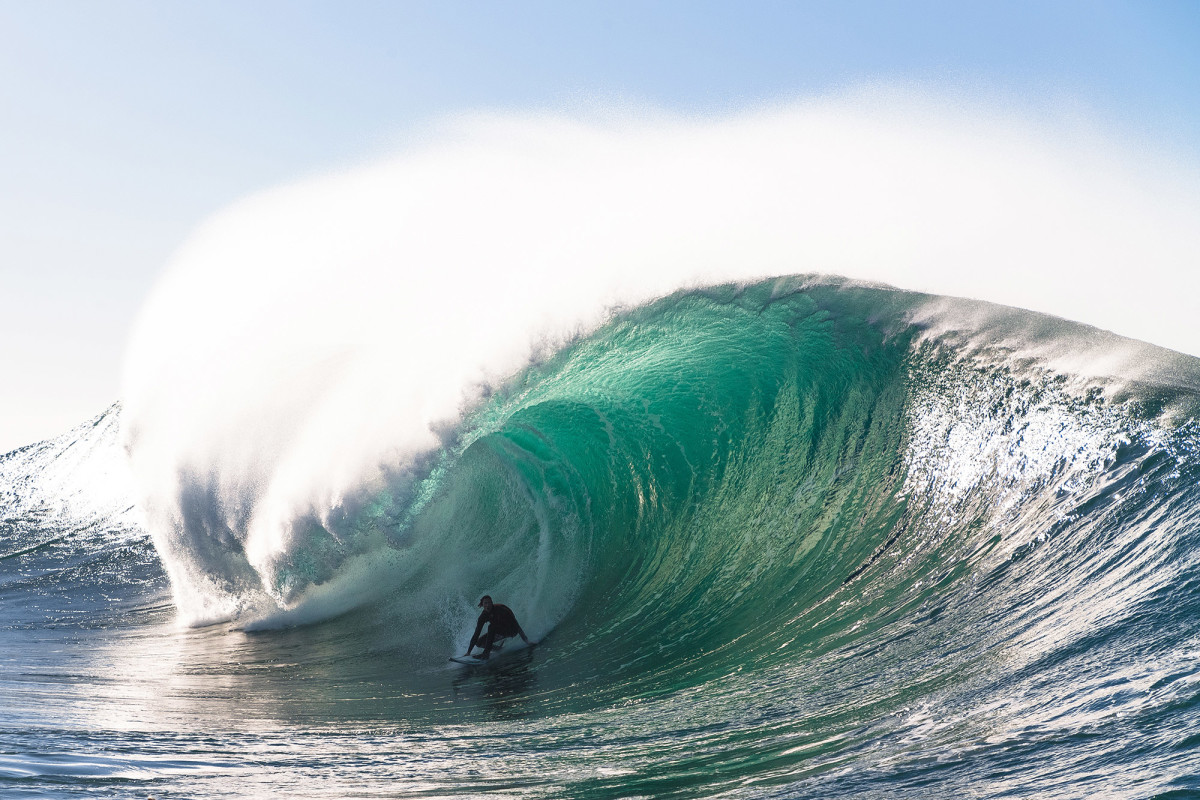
x=80 y=476
x=745 y=471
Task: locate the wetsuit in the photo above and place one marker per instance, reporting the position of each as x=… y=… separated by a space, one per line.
x=503 y=625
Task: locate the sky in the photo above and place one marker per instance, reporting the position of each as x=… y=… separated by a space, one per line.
x=124 y=125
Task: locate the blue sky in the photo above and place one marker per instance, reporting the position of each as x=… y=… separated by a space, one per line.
x=124 y=124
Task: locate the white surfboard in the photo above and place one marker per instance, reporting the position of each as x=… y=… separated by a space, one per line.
x=475 y=660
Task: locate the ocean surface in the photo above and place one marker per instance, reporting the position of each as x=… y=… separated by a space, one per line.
x=800 y=538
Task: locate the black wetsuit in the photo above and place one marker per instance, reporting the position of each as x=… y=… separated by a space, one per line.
x=503 y=625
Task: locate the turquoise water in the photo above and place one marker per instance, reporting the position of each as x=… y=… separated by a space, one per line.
x=802 y=538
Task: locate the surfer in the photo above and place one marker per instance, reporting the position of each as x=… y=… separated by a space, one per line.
x=503 y=625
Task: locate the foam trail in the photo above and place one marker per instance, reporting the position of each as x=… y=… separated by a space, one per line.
x=324 y=336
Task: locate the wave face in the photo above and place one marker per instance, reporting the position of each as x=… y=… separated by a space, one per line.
x=704 y=468
x=801 y=537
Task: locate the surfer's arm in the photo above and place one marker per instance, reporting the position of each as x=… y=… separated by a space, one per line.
x=524 y=638
x=475 y=635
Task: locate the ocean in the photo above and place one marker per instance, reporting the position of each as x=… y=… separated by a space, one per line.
x=801 y=537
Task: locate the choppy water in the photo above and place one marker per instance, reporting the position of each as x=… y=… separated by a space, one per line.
x=797 y=539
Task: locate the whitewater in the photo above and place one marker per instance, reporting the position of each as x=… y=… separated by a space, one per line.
x=779 y=533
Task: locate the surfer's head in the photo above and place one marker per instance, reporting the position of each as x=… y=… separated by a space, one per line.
x=485 y=602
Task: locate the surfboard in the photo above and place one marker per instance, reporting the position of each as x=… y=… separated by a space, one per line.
x=472 y=660
x=469 y=660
